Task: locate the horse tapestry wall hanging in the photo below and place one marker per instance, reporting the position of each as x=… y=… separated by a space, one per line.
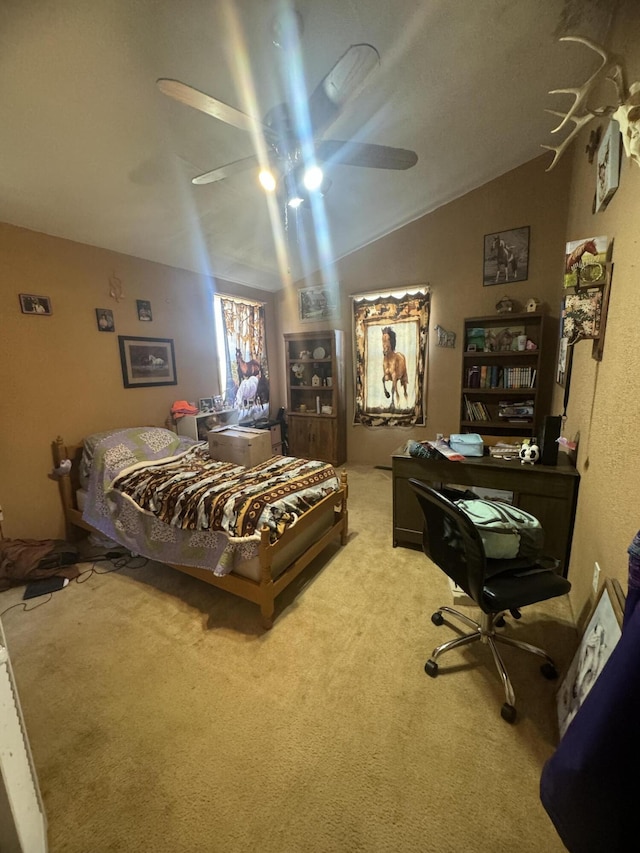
x=506 y=256
x=247 y=370
x=390 y=350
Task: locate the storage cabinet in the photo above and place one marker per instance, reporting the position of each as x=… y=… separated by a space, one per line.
x=507 y=374
x=197 y=426
x=315 y=395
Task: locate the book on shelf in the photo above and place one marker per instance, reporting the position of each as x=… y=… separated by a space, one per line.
x=476 y=410
x=510 y=409
x=519 y=377
x=473 y=377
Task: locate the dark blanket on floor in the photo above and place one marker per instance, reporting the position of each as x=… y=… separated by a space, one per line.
x=25 y=560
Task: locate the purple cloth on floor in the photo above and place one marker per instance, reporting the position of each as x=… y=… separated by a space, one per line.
x=633 y=591
x=590 y=785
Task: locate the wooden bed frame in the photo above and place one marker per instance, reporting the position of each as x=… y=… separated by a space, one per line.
x=261 y=592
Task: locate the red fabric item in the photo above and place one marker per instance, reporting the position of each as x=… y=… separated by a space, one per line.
x=181 y=408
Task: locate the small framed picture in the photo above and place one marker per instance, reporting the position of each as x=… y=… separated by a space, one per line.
x=205 y=404
x=585 y=261
x=35 y=304
x=144 y=310
x=608 y=159
x=319 y=303
x=104 y=319
x=506 y=256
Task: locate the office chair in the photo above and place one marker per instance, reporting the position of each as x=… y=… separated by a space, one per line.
x=454 y=544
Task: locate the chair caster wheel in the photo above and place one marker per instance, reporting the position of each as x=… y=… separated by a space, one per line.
x=508 y=713
x=431 y=668
x=500 y=623
x=437 y=618
x=549 y=671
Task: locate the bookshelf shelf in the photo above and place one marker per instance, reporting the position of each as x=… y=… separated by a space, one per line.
x=498 y=375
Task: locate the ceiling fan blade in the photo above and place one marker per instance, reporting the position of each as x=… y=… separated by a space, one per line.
x=343 y=81
x=363 y=154
x=212 y=106
x=225 y=171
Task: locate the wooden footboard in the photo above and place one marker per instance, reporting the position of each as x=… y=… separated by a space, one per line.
x=262 y=592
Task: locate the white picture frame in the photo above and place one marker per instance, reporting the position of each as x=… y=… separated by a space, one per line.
x=600 y=637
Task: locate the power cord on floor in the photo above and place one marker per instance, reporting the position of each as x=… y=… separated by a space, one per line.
x=118 y=562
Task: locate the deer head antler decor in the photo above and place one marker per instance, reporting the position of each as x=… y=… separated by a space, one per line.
x=628 y=117
x=626 y=109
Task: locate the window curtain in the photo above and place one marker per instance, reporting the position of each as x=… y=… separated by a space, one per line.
x=247 y=388
x=390 y=355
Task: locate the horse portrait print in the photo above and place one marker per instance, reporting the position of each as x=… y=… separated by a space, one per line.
x=390 y=351
x=506 y=256
x=390 y=370
x=585 y=261
x=394 y=367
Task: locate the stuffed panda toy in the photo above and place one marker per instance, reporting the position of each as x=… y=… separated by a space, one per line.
x=529 y=453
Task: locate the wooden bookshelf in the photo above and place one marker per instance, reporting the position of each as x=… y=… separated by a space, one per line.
x=495 y=372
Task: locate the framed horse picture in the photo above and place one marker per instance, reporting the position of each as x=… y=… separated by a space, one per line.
x=506 y=256
x=147 y=361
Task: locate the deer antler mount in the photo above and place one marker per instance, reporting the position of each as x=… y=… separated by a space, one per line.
x=626 y=109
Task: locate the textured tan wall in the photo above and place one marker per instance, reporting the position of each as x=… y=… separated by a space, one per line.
x=445 y=249
x=61 y=376
x=604 y=403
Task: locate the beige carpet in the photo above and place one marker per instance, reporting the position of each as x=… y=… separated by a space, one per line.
x=162 y=718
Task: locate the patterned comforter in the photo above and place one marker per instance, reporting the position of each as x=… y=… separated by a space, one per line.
x=163 y=497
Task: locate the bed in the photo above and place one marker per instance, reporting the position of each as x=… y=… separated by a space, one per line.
x=250 y=531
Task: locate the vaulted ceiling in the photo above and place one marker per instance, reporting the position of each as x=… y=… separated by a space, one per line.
x=91 y=150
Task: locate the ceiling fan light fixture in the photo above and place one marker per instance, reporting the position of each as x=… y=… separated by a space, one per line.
x=295 y=201
x=312 y=178
x=267 y=180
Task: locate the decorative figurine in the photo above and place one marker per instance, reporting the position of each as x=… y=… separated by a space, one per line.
x=505 y=305
x=445 y=338
x=529 y=453
x=532 y=304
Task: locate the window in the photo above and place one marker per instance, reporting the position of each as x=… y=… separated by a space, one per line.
x=242 y=356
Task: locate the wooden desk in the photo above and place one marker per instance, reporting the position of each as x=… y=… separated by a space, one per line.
x=549 y=492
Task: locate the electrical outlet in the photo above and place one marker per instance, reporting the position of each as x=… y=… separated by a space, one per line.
x=595 y=582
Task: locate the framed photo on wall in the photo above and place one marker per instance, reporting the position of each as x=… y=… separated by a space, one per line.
x=104 y=319
x=506 y=256
x=318 y=304
x=30 y=304
x=147 y=361
x=144 y=310
x=608 y=160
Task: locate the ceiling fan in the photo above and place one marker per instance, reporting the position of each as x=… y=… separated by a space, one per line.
x=296 y=158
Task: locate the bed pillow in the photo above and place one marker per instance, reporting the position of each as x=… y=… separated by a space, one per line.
x=89 y=446
x=167 y=438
